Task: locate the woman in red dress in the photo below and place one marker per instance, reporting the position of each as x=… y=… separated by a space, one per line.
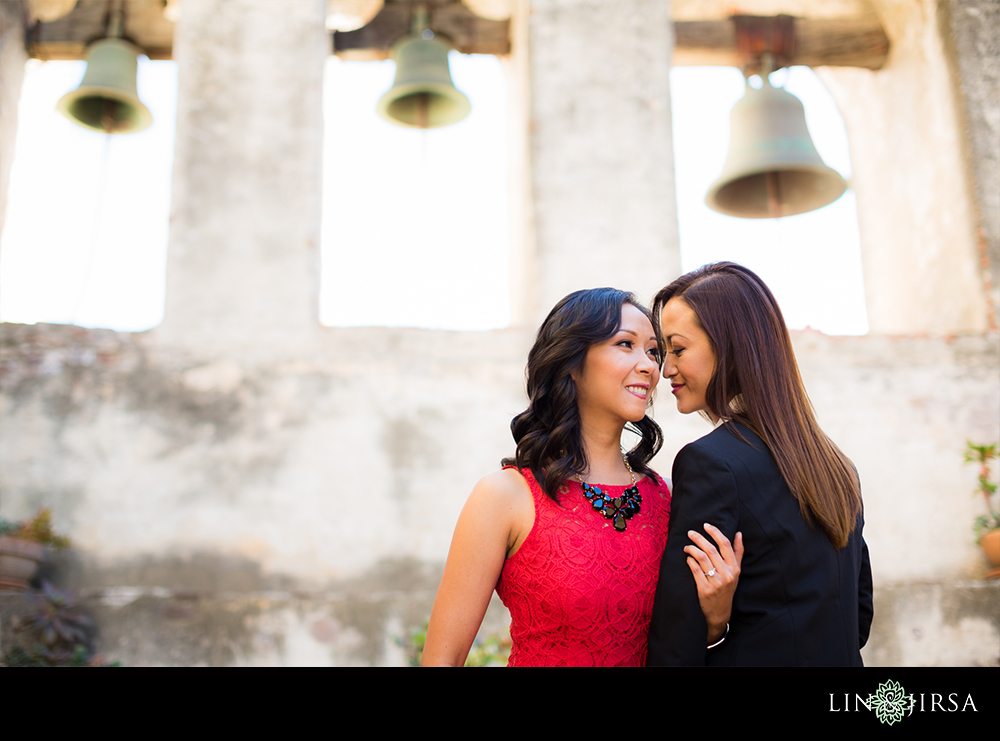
x=571 y=530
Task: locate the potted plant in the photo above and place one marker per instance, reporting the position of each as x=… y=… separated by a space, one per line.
x=57 y=632
x=23 y=547
x=986 y=527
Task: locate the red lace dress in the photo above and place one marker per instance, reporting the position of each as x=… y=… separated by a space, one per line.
x=579 y=592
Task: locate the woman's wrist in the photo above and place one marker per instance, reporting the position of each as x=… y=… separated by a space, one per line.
x=717 y=634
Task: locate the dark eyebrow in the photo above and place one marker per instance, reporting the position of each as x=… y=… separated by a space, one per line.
x=670 y=337
x=651 y=338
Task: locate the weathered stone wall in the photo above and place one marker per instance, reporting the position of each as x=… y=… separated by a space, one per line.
x=902 y=409
x=316 y=497
x=244 y=486
x=917 y=211
x=245 y=213
x=601 y=153
x=12 y=58
x=975 y=34
x=952 y=623
x=298 y=491
x=313 y=470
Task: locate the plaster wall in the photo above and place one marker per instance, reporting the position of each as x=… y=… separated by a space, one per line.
x=945 y=624
x=902 y=409
x=315 y=470
x=245 y=216
x=12 y=59
x=318 y=495
x=244 y=486
x=601 y=153
x=975 y=33
x=917 y=211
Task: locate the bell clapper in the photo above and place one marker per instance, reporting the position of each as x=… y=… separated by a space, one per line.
x=422 y=101
x=773 y=194
x=420 y=28
x=770 y=177
x=108 y=122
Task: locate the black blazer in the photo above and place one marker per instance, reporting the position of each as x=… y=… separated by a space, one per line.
x=799 y=602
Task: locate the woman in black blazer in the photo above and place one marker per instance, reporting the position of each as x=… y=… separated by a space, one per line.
x=805 y=590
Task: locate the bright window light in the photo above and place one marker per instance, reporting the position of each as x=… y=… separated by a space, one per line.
x=811 y=262
x=85 y=232
x=415 y=223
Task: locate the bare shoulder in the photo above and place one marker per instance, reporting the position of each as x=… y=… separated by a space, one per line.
x=507 y=482
x=502 y=491
x=505 y=498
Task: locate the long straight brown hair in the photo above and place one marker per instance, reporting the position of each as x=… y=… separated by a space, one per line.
x=757 y=384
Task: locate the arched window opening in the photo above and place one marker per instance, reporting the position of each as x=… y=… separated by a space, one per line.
x=415 y=222
x=812 y=262
x=85 y=231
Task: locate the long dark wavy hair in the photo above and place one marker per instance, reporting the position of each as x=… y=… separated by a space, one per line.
x=757 y=384
x=547 y=433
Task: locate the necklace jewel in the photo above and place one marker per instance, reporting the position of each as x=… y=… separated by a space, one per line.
x=617 y=509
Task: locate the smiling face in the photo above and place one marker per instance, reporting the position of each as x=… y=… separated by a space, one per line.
x=690 y=362
x=620 y=373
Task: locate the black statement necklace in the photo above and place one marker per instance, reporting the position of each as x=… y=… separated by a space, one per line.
x=617 y=509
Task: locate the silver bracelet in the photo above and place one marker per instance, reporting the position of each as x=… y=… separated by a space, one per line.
x=719 y=642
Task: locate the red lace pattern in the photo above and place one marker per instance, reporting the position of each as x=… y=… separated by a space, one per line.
x=579 y=592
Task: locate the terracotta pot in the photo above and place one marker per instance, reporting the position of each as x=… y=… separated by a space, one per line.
x=19 y=562
x=990 y=543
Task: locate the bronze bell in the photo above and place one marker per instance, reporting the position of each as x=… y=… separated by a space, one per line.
x=422 y=95
x=772 y=168
x=107 y=100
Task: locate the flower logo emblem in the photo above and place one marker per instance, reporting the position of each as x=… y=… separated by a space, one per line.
x=890 y=702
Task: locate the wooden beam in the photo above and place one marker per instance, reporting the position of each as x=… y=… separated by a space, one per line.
x=72 y=50
x=68 y=37
x=840 y=42
x=459 y=26
x=847 y=42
